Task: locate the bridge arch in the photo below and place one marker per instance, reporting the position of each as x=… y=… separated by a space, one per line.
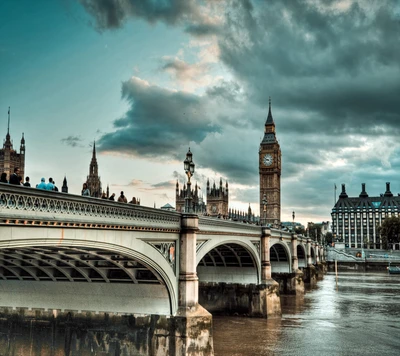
x=313 y=255
x=146 y=281
x=280 y=258
x=231 y=261
x=301 y=256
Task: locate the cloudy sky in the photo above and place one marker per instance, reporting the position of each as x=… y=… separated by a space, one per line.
x=148 y=79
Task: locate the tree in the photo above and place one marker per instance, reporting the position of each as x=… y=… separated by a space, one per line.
x=390 y=231
x=328 y=238
x=299 y=230
x=315 y=231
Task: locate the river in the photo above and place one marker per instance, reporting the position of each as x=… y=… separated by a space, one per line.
x=359 y=317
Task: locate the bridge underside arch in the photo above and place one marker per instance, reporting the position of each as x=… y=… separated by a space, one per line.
x=228 y=263
x=280 y=259
x=71 y=277
x=313 y=256
x=301 y=256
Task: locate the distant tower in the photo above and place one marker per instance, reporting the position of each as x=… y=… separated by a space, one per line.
x=93 y=180
x=217 y=199
x=9 y=158
x=64 y=188
x=270 y=171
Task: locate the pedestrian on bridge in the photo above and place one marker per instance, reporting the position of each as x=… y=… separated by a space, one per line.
x=42 y=184
x=112 y=197
x=85 y=190
x=3 y=178
x=27 y=184
x=50 y=185
x=14 y=179
x=122 y=198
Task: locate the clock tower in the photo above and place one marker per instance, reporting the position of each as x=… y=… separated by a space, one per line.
x=270 y=173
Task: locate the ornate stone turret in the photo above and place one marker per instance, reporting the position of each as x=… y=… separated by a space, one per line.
x=64 y=188
x=93 y=180
x=9 y=158
x=217 y=199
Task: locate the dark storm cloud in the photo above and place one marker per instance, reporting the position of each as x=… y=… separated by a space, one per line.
x=334 y=77
x=340 y=65
x=73 y=141
x=111 y=14
x=158 y=121
x=202 y=29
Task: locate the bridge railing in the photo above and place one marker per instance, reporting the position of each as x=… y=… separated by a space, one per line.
x=31 y=206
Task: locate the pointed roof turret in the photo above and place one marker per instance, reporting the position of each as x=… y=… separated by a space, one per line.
x=363 y=193
x=270 y=119
x=64 y=188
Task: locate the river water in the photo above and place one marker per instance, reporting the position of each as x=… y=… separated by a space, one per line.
x=359 y=317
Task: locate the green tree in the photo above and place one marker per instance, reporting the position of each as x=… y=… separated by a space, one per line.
x=328 y=238
x=315 y=232
x=390 y=231
x=299 y=230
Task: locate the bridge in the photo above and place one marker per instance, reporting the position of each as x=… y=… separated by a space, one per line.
x=63 y=253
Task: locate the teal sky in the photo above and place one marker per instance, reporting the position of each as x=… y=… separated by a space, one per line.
x=148 y=79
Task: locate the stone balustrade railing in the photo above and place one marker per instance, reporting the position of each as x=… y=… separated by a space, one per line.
x=30 y=206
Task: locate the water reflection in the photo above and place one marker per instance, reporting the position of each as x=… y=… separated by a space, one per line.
x=360 y=317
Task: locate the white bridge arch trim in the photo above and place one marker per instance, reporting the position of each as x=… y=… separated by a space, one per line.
x=129 y=243
x=248 y=245
x=281 y=267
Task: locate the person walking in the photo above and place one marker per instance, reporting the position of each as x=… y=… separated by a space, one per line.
x=14 y=179
x=112 y=197
x=27 y=183
x=42 y=184
x=122 y=198
x=3 y=178
x=85 y=190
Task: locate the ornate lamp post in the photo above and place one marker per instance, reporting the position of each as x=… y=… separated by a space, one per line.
x=293 y=216
x=264 y=203
x=188 y=165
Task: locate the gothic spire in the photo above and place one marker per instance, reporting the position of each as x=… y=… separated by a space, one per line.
x=8 y=127
x=270 y=119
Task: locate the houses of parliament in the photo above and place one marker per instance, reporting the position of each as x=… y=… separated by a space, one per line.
x=269 y=163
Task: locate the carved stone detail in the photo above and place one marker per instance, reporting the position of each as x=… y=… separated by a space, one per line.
x=257 y=245
x=167 y=250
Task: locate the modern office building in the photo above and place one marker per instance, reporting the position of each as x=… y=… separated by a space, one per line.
x=355 y=220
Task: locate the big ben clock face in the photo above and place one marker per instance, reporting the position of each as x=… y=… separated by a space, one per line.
x=267 y=160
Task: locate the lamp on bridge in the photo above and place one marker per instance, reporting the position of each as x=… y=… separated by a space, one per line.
x=264 y=203
x=189 y=165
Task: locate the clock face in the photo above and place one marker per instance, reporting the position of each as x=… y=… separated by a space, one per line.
x=267 y=159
